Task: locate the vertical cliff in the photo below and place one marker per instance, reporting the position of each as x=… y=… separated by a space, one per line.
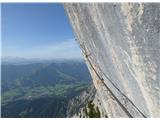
x=121 y=45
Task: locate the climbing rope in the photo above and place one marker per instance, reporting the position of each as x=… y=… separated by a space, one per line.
x=87 y=57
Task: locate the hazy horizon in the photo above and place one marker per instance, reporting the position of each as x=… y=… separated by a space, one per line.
x=16 y=57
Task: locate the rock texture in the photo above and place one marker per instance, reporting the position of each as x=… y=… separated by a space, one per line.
x=79 y=106
x=121 y=45
x=77 y=103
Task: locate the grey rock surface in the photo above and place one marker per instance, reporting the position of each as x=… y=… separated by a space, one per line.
x=77 y=105
x=121 y=45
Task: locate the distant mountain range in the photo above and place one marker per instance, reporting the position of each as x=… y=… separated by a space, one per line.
x=41 y=89
x=19 y=60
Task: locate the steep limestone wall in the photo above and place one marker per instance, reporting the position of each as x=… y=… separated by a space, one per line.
x=121 y=45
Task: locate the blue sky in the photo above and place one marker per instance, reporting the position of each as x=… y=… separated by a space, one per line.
x=37 y=30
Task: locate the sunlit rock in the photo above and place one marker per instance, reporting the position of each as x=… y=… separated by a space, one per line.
x=121 y=46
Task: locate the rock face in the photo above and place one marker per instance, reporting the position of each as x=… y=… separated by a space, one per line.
x=86 y=105
x=121 y=45
x=76 y=104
